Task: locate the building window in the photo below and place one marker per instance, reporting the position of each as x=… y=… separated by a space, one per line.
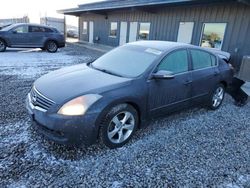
x=185 y=32
x=213 y=35
x=144 y=31
x=113 y=29
x=84 y=27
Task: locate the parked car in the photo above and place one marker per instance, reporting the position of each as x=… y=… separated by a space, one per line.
x=31 y=36
x=72 y=33
x=118 y=93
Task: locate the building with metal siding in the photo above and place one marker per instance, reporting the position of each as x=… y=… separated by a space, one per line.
x=167 y=21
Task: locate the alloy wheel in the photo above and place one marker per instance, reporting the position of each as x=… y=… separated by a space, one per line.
x=52 y=46
x=121 y=127
x=218 y=97
x=2 y=46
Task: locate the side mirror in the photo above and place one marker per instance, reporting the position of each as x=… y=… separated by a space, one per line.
x=163 y=75
x=14 y=32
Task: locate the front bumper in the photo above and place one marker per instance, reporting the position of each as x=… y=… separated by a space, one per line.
x=75 y=130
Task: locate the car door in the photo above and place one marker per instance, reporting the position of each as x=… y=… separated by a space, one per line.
x=18 y=36
x=171 y=94
x=205 y=73
x=37 y=35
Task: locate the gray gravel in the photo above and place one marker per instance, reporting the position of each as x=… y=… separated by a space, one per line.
x=193 y=148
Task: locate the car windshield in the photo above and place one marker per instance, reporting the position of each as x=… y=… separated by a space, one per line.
x=127 y=61
x=7 y=28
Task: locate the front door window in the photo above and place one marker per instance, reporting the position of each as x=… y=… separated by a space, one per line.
x=176 y=62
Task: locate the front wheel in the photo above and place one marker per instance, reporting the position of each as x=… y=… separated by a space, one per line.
x=2 y=46
x=51 y=46
x=216 y=97
x=118 y=126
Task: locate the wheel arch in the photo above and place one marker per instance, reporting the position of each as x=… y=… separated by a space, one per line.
x=48 y=40
x=224 y=83
x=1 y=38
x=106 y=109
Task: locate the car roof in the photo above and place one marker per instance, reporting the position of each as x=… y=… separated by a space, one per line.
x=160 y=45
x=30 y=24
x=168 y=45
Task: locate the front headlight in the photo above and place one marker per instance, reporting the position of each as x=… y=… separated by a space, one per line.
x=79 y=105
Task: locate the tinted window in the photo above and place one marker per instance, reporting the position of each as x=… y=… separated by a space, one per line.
x=175 y=62
x=35 y=29
x=213 y=59
x=202 y=59
x=21 y=29
x=127 y=61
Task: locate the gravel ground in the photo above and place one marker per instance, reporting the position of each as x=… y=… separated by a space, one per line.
x=193 y=148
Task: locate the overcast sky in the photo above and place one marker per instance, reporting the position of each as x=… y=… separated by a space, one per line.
x=38 y=8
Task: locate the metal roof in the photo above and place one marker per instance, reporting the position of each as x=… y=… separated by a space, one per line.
x=123 y=4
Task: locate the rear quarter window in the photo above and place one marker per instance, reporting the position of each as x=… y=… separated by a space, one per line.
x=48 y=30
x=214 y=60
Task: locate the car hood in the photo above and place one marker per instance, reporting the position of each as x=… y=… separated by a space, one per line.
x=67 y=83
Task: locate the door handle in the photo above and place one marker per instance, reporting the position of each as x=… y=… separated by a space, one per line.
x=216 y=73
x=187 y=82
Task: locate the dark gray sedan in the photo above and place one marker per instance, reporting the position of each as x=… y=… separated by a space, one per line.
x=31 y=36
x=111 y=97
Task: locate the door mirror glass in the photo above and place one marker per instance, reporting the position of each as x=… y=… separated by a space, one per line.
x=162 y=74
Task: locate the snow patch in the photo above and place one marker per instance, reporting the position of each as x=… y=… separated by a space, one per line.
x=30 y=63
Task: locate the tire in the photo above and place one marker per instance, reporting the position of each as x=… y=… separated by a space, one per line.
x=51 y=46
x=216 y=97
x=118 y=126
x=2 y=46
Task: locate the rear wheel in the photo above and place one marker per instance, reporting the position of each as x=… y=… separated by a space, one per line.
x=2 y=46
x=118 y=126
x=51 y=46
x=216 y=97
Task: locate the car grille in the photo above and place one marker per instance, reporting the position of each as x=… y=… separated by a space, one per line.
x=38 y=100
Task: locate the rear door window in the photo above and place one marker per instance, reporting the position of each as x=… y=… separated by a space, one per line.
x=36 y=29
x=176 y=62
x=202 y=59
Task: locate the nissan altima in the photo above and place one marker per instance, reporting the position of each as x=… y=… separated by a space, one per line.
x=110 y=98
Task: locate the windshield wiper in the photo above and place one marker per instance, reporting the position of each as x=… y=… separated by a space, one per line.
x=104 y=70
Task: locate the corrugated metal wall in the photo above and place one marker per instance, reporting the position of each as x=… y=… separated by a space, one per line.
x=165 y=24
